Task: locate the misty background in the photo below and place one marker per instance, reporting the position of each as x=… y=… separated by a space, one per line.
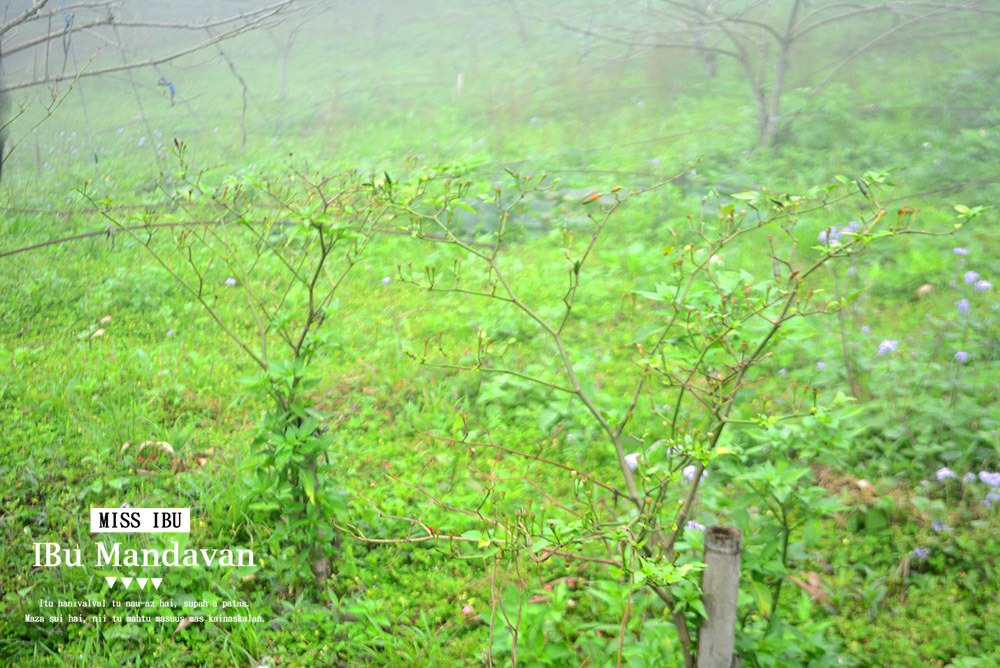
x=622 y=86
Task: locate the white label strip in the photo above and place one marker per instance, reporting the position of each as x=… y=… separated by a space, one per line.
x=140 y=520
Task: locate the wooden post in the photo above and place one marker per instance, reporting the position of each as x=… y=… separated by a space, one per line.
x=720 y=586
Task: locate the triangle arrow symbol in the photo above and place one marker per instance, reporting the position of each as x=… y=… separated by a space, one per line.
x=156 y=582
x=111 y=581
x=126 y=582
x=142 y=582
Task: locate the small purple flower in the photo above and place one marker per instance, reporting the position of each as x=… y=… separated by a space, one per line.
x=820 y=365
x=230 y=282
x=170 y=333
x=888 y=346
x=969 y=477
x=963 y=306
x=990 y=478
x=990 y=499
x=853 y=226
x=852 y=271
x=655 y=162
x=921 y=553
x=866 y=330
x=694 y=524
x=783 y=372
x=939 y=527
x=961 y=251
x=945 y=473
x=971 y=277
x=142 y=141
x=632 y=460
x=982 y=286
x=387 y=280
x=962 y=357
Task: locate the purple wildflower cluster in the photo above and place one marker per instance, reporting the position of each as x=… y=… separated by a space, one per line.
x=991 y=478
x=973 y=278
x=944 y=473
x=888 y=346
x=832 y=236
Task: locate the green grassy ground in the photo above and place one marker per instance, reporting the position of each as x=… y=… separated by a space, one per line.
x=360 y=98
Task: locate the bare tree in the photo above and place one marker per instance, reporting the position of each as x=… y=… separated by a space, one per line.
x=761 y=36
x=284 y=45
x=48 y=32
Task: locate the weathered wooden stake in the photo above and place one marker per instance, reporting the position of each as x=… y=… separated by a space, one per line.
x=720 y=586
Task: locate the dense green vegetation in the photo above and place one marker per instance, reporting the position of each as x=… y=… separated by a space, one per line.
x=860 y=458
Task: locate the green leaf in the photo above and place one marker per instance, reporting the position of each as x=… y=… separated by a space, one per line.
x=762 y=596
x=876 y=519
x=747 y=196
x=647 y=331
x=699 y=607
x=308 y=479
x=117 y=483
